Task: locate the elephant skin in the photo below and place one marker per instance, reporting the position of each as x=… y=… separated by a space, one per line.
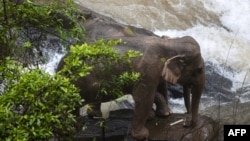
x=176 y=60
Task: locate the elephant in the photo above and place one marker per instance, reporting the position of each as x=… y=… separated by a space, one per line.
x=164 y=60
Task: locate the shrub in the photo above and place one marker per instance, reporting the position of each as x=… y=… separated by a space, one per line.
x=24 y=26
x=100 y=58
x=38 y=106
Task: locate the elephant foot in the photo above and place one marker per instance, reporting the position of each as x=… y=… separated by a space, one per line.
x=190 y=123
x=163 y=112
x=140 y=134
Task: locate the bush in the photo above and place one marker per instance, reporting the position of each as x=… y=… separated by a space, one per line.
x=24 y=26
x=101 y=59
x=38 y=106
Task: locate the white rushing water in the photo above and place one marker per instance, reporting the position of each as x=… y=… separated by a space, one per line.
x=221 y=46
x=53 y=61
x=220 y=26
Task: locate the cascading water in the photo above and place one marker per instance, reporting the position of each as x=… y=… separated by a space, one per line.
x=220 y=26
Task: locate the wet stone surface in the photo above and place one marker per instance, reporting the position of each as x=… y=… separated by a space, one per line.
x=117 y=128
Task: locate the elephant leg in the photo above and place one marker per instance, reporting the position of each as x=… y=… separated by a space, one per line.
x=94 y=110
x=161 y=99
x=186 y=91
x=144 y=97
x=162 y=108
x=196 y=96
x=162 y=88
x=151 y=114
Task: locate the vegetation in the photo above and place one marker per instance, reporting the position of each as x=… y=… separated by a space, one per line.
x=33 y=104
x=33 y=22
x=38 y=106
x=100 y=59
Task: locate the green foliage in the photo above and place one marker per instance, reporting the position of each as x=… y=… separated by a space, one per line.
x=100 y=59
x=60 y=19
x=38 y=106
x=116 y=85
x=101 y=123
x=83 y=58
x=9 y=72
x=33 y=104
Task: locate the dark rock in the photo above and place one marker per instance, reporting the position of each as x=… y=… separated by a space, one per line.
x=215 y=81
x=175 y=90
x=117 y=128
x=217 y=84
x=99 y=26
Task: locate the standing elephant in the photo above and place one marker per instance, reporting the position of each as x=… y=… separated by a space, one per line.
x=176 y=60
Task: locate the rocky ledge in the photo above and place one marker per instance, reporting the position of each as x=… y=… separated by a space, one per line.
x=117 y=128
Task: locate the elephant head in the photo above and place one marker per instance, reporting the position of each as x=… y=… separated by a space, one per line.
x=187 y=68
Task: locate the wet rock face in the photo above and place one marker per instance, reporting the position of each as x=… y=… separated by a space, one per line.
x=175 y=90
x=215 y=81
x=117 y=128
x=217 y=84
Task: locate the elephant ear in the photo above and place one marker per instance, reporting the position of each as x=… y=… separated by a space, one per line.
x=172 y=69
